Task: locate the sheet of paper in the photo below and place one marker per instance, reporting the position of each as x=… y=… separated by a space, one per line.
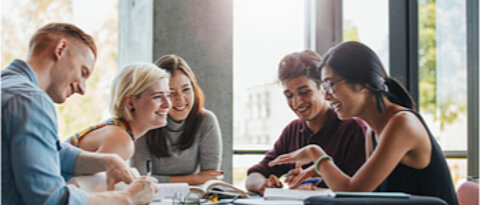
x=91 y=183
x=170 y=190
x=294 y=194
x=98 y=183
x=262 y=201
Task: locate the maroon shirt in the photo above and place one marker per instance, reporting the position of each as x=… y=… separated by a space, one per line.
x=343 y=140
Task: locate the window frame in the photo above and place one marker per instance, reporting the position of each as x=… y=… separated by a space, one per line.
x=403 y=51
x=404 y=66
x=472 y=87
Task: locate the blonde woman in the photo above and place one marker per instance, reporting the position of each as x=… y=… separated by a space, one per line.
x=139 y=101
x=189 y=148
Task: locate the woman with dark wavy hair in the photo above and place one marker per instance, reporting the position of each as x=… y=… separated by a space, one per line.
x=189 y=148
x=403 y=156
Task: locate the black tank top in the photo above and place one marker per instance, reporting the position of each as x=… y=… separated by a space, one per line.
x=433 y=180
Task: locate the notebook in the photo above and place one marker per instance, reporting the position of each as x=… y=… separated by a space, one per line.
x=293 y=194
x=370 y=194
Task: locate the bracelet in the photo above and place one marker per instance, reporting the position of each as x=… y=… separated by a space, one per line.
x=319 y=160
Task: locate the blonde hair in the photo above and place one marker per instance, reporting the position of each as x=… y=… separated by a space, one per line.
x=132 y=81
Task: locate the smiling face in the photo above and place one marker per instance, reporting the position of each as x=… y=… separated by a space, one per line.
x=152 y=107
x=182 y=96
x=347 y=100
x=70 y=72
x=304 y=98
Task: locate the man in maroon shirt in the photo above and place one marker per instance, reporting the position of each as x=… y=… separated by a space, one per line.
x=317 y=124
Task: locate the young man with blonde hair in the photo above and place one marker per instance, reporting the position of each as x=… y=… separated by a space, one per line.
x=35 y=165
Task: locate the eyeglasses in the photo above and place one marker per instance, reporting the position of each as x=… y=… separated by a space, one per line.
x=327 y=86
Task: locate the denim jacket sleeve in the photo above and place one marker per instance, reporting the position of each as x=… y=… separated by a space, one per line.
x=37 y=158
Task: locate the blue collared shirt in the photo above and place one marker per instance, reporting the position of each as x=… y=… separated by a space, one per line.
x=35 y=165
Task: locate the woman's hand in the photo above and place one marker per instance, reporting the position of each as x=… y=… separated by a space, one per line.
x=298 y=175
x=302 y=176
x=204 y=176
x=301 y=157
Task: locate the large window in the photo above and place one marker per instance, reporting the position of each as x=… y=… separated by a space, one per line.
x=367 y=23
x=264 y=32
x=442 y=79
x=442 y=76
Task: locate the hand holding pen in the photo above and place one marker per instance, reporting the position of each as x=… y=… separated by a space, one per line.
x=303 y=176
x=292 y=174
x=306 y=182
x=311 y=181
x=149 y=166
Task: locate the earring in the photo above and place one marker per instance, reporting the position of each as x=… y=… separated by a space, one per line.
x=132 y=110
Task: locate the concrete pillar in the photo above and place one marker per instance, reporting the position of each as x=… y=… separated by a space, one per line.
x=199 y=31
x=135 y=40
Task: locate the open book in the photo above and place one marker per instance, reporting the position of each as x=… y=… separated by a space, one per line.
x=221 y=188
x=293 y=194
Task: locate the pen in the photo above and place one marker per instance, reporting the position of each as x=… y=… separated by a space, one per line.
x=149 y=166
x=311 y=181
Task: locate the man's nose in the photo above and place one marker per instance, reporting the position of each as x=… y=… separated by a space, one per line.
x=297 y=100
x=80 y=88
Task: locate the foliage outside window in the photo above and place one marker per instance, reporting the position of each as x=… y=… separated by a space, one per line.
x=442 y=75
x=447 y=110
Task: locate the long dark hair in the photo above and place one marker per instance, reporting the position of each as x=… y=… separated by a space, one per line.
x=156 y=139
x=357 y=63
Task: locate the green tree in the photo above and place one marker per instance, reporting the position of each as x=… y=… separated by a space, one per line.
x=446 y=111
x=427 y=57
x=350 y=32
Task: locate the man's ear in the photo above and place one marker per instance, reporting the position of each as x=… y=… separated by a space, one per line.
x=60 y=48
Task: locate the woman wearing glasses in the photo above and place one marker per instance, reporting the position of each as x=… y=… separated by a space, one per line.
x=316 y=124
x=402 y=154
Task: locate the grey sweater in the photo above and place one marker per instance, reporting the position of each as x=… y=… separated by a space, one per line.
x=204 y=154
